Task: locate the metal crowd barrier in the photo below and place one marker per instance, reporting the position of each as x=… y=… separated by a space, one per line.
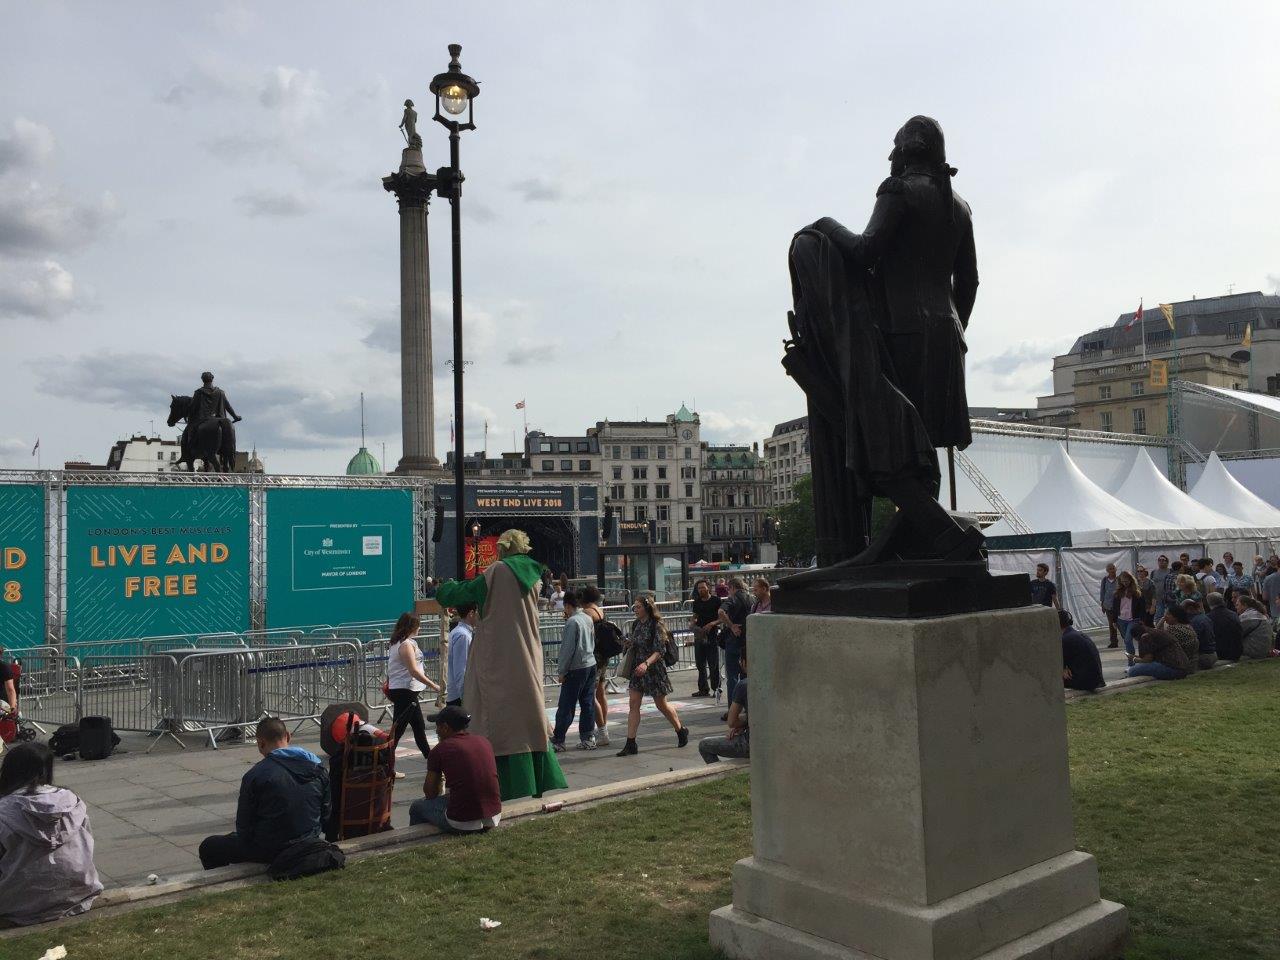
x=136 y=692
x=49 y=689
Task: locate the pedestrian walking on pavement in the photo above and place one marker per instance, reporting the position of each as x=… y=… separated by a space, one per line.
x=576 y=669
x=646 y=644
x=706 y=650
x=1107 y=593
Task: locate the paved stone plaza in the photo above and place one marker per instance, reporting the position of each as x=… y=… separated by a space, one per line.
x=150 y=811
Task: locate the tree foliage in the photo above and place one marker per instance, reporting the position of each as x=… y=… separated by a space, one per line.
x=797 y=537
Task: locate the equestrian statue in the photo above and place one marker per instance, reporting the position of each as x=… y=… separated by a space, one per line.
x=209 y=435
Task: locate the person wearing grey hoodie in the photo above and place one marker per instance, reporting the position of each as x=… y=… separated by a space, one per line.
x=46 y=847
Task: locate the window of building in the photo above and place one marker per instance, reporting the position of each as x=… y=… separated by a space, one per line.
x=618 y=491
x=688 y=453
x=640 y=491
x=548 y=464
x=639 y=473
x=563 y=446
x=664 y=535
x=733 y=526
x=1137 y=388
x=584 y=466
x=688 y=513
x=688 y=473
x=639 y=453
x=747 y=527
x=688 y=534
x=1104 y=421
x=688 y=489
x=566 y=465
x=1104 y=392
x=664 y=511
x=715 y=526
x=729 y=500
x=544 y=446
x=173 y=454
x=662 y=453
x=662 y=491
x=662 y=473
x=1139 y=420
x=159 y=454
x=582 y=446
x=617 y=452
x=641 y=513
x=715 y=498
x=617 y=473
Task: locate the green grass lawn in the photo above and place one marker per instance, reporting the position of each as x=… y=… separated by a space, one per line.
x=1175 y=793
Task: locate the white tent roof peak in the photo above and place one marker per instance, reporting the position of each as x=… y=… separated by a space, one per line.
x=1064 y=499
x=1147 y=486
x=1218 y=487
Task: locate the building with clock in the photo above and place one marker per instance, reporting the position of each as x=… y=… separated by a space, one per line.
x=651 y=470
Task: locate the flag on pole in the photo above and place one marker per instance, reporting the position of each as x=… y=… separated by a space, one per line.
x=1136 y=318
x=1159 y=373
x=36 y=447
x=520 y=405
x=1167 y=310
x=1248 y=336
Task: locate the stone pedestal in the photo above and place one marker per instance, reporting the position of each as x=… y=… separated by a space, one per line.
x=910 y=795
x=413 y=185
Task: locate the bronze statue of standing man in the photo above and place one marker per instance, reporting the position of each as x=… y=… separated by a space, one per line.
x=878 y=347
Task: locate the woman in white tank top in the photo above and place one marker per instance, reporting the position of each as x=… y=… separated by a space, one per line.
x=405 y=680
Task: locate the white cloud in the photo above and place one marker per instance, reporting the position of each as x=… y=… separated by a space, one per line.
x=296 y=96
x=35 y=219
x=720 y=427
x=265 y=204
x=44 y=290
x=30 y=144
x=15 y=452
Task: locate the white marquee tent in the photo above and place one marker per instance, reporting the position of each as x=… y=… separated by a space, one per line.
x=1148 y=488
x=1065 y=499
x=1218 y=487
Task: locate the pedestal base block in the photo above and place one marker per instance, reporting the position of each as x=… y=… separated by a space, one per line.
x=1097 y=932
x=910 y=795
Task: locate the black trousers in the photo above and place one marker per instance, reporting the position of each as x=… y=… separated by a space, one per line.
x=406 y=713
x=221 y=851
x=706 y=654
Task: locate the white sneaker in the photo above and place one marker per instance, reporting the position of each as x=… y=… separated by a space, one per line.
x=586 y=744
x=602 y=736
x=399 y=775
x=557 y=747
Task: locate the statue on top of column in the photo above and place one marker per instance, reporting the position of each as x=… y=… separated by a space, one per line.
x=409 y=126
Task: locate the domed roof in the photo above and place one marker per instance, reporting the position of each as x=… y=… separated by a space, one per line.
x=684 y=416
x=364 y=464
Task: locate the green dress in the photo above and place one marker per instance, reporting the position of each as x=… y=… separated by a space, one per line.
x=502 y=689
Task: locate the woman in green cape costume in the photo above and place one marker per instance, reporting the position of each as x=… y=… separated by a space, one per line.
x=503 y=686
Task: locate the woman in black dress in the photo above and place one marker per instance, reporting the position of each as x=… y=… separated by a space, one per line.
x=645 y=645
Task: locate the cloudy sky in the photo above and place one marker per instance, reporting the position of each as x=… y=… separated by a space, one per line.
x=186 y=186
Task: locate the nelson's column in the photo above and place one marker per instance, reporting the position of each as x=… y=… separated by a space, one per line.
x=413 y=185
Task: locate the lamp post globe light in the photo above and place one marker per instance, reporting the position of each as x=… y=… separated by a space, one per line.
x=455 y=94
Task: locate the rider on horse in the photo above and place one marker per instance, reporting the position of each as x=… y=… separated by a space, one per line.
x=209 y=403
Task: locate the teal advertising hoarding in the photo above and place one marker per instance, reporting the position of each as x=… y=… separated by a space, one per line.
x=338 y=556
x=22 y=540
x=156 y=561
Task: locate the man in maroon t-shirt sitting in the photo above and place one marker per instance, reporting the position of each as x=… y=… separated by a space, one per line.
x=473 y=802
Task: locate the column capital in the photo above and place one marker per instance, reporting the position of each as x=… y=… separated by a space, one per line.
x=411 y=189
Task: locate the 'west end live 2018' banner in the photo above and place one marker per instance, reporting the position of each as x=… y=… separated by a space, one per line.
x=22 y=540
x=156 y=561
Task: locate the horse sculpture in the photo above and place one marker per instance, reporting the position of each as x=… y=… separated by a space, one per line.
x=212 y=442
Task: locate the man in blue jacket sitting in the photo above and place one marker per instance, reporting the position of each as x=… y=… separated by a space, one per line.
x=284 y=797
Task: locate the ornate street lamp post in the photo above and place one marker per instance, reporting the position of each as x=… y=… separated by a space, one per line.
x=455 y=94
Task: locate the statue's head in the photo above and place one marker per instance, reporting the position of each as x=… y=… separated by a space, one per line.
x=206 y=378
x=513 y=542
x=408 y=103
x=920 y=141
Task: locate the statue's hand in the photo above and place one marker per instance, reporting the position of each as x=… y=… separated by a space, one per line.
x=236 y=419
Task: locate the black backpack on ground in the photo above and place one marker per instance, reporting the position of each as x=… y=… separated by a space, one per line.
x=65 y=740
x=304 y=857
x=608 y=639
